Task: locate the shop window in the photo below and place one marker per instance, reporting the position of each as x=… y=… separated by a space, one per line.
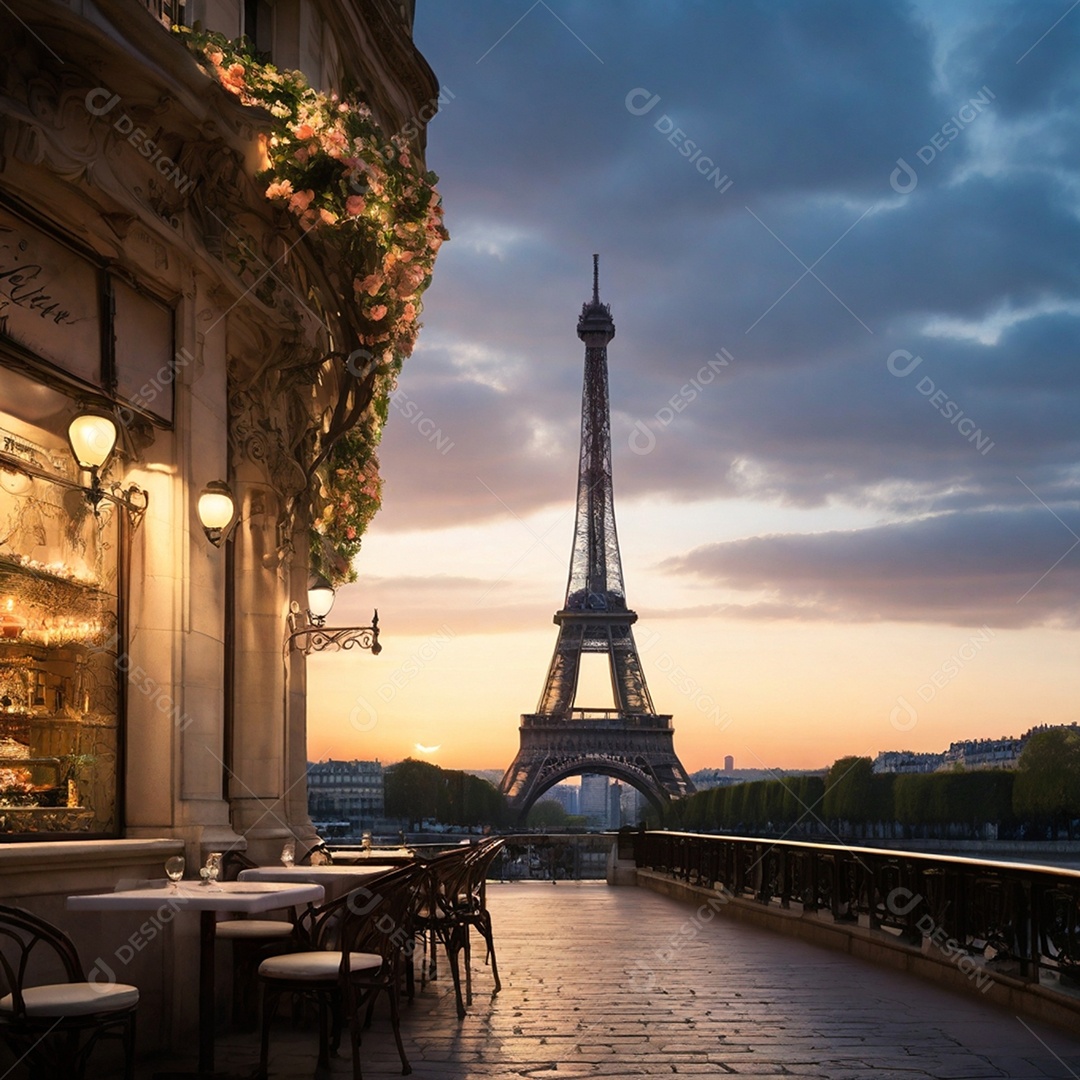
x=59 y=669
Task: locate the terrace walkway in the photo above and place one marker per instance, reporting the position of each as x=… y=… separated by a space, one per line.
x=601 y=981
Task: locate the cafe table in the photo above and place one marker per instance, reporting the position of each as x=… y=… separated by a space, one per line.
x=250 y=897
x=336 y=880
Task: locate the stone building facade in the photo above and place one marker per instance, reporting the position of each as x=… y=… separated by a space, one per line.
x=147 y=704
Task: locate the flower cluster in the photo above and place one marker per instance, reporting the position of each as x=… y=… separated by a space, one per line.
x=350 y=494
x=330 y=165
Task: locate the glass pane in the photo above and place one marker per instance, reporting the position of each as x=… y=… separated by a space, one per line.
x=58 y=663
x=144 y=351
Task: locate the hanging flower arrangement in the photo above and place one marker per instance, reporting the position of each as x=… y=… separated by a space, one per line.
x=333 y=168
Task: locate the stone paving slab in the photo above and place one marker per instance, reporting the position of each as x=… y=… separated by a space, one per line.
x=611 y=982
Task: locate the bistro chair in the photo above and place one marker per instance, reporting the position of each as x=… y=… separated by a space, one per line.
x=438 y=919
x=357 y=946
x=252 y=940
x=44 y=1024
x=473 y=911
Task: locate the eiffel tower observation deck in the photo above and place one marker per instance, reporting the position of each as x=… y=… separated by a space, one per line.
x=631 y=741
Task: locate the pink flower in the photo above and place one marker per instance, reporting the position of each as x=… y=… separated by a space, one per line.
x=377 y=312
x=280 y=189
x=301 y=201
x=371 y=284
x=328 y=217
x=304 y=132
x=334 y=143
x=354 y=205
x=234 y=77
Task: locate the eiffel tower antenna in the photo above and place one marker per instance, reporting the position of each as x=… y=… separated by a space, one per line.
x=630 y=742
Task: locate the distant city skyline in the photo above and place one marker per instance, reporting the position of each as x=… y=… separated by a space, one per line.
x=843 y=381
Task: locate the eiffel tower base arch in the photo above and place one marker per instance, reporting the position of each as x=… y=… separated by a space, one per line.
x=551 y=750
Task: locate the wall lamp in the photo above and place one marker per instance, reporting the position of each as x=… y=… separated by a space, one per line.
x=216 y=508
x=309 y=633
x=92 y=437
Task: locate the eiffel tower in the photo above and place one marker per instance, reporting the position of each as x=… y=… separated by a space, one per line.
x=630 y=742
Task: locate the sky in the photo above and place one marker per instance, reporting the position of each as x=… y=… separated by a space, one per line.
x=840 y=245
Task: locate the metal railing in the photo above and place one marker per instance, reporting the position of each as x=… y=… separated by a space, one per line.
x=529 y=856
x=169 y=13
x=1021 y=919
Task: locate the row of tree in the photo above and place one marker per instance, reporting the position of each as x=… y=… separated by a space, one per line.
x=1042 y=793
x=419 y=791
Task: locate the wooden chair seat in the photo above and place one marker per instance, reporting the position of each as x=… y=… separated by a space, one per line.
x=356 y=947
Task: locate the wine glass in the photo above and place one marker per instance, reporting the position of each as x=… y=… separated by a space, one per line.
x=288 y=853
x=213 y=867
x=174 y=868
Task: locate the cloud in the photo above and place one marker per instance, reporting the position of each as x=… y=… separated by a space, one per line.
x=810 y=271
x=1001 y=568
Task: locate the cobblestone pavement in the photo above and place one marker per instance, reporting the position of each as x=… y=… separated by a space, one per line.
x=600 y=981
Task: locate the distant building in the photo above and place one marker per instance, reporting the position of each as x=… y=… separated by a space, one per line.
x=634 y=805
x=984 y=753
x=729 y=763
x=614 y=814
x=593 y=801
x=710 y=778
x=564 y=794
x=345 y=791
x=907 y=761
x=1003 y=753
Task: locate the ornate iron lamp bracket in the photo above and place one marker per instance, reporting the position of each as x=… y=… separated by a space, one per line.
x=308 y=635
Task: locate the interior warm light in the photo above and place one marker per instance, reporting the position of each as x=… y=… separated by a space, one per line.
x=216 y=509
x=320 y=595
x=14 y=482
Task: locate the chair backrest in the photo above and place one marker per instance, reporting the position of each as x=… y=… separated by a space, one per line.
x=326 y=856
x=481 y=860
x=232 y=862
x=378 y=918
x=319 y=926
x=448 y=878
x=26 y=937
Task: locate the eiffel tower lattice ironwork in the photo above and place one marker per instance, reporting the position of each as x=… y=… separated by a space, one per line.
x=630 y=742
